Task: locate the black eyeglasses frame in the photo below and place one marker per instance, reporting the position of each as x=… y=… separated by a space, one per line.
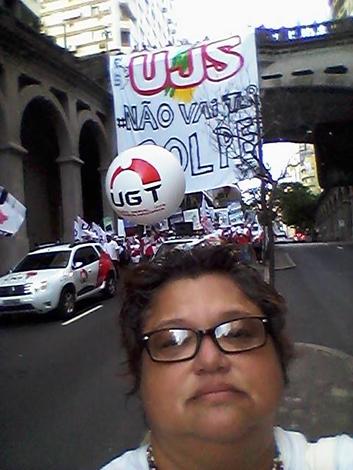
x=200 y=334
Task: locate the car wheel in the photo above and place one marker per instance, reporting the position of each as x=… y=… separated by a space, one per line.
x=66 y=307
x=110 y=286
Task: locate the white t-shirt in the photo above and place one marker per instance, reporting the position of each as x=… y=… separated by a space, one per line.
x=329 y=453
x=112 y=248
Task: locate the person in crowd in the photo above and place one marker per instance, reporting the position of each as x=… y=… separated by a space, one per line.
x=134 y=249
x=124 y=256
x=208 y=353
x=148 y=245
x=112 y=249
x=241 y=238
x=258 y=244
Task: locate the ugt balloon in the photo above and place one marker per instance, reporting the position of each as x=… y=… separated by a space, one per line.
x=145 y=184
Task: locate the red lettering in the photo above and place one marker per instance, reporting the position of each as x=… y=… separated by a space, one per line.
x=151 y=73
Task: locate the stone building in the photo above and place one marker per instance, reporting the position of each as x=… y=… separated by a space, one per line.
x=56 y=134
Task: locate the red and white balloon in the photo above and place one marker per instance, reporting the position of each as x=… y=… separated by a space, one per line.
x=145 y=184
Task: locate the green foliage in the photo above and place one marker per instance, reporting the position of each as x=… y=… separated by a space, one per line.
x=181 y=61
x=296 y=204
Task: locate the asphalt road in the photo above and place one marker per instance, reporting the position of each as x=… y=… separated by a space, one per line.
x=62 y=392
x=319 y=292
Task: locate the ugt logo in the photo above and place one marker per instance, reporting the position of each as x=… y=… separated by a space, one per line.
x=149 y=176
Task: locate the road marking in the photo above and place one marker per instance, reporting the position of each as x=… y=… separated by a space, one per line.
x=82 y=315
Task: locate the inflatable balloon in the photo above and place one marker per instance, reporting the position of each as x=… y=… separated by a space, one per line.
x=145 y=184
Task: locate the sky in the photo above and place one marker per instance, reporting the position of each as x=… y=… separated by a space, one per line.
x=219 y=18
x=197 y=19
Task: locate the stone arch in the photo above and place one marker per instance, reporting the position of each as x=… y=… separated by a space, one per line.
x=101 y=134
x=44 y=134
x=62 y=125
x=93 y=151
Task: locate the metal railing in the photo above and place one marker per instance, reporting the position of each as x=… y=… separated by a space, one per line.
x=306 y=33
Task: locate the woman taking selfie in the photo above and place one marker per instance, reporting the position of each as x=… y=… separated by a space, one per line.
x=208 y=353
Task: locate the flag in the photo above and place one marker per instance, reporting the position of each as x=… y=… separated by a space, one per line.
x=99 y=232
x=206 y=220
x=83 y=229
x=77 y=231
x=12 y=213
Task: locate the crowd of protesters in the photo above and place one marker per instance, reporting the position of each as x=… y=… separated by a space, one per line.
x=249 y=242
x=137 y=247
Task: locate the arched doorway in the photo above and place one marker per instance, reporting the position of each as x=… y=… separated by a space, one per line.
x=41 y=172
x=90 y=175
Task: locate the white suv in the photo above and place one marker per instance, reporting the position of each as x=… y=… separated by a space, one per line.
x=54 y=277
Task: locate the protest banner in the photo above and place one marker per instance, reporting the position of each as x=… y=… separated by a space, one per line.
x=196 y=101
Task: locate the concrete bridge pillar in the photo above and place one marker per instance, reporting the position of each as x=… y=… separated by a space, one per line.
x=107 y=209
x=11 y=177
x=71 y=193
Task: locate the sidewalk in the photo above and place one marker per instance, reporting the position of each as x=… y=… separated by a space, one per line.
x=319 y=398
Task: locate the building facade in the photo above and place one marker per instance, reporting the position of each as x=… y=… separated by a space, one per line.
x=341 y=8
x=87 y=27
x=57 y=137
x=302 y=168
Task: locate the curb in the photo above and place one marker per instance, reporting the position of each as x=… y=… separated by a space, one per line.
x=326 y=350
x=318 y=400
x=283 y=261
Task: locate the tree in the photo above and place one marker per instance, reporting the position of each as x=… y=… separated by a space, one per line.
x=239 y=134
x=296 y=204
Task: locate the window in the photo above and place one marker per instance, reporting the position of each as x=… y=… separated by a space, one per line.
x=125 y=38
x=86 y=255
x=38 y=261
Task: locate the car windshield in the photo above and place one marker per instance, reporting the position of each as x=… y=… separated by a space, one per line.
x=37 y=261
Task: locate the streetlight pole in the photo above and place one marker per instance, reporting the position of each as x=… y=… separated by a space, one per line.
x=65 y=37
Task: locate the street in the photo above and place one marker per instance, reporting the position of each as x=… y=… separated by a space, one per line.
x=319 y=293
x=62 y=401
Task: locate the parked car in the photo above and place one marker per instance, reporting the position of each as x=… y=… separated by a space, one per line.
x=282 y=238
x=54 y=277
x=177 y=244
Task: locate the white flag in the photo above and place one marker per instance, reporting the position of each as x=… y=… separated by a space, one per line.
x=12 y=214
x=99 y=232
x=205 y=214
x=84 y=229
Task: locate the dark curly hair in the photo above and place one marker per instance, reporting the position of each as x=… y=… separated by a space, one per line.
x=146 y=279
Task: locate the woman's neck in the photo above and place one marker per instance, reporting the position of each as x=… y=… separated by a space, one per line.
x=249 y=452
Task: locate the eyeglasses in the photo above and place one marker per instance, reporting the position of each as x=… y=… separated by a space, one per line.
x=182 y=344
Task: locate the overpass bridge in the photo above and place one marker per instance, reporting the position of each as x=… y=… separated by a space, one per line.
x=306 y=81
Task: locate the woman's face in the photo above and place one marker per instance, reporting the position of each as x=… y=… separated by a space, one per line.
x=174 y=394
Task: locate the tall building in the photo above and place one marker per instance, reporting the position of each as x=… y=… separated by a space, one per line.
x=341 y=8
x=33 y=5
x=87 y=27
x=302 y=168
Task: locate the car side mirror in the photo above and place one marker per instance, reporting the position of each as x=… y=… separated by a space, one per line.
x=77 y=264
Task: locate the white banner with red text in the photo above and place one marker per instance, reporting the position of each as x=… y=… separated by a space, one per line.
x=197 y=101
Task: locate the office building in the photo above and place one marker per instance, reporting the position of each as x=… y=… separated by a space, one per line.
x=302 y=168
x=341 y=8
x=87 y=27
